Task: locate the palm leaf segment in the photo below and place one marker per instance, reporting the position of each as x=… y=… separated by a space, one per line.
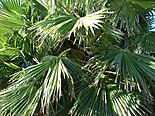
x=7 y=52
x=105 y=99
x=63 y=26
x=129 y=12
x=131 y=67
x=23 y=96
x=11 y=13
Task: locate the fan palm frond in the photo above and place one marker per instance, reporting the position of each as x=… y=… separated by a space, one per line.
x=135 y=67
x=38 y=82
x=127 y=17
x=63 y=26
x=11 y=13
x=41 y=42
x=147 y=42
x=104 y=98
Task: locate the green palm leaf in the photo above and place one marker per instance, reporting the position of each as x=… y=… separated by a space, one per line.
x=135 y=67
x=128 y=14
x=41 y=41
x=7 y=52
x=104 y=98
x=63 y=26
x=11 y=13
x=38 y=82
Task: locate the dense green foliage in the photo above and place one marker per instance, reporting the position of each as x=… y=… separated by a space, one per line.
x=77 y=57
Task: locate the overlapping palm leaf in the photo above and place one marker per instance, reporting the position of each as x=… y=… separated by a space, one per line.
x=11 y=14
x=117 y=58
x=131 y=67
x=63 y=26
x=128 y=13
x=38 y=82
x=105 y=98
x=147 y=42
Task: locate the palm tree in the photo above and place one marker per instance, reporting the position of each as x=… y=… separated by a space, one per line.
x=77 y=57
